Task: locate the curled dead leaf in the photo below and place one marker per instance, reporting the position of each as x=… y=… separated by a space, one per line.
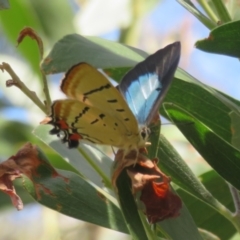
x=149 y=185
x=27 y=31
x=6 y=186
x=27 y=161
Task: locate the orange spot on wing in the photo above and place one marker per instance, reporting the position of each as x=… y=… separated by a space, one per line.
x=62 y=124
x=57 y=106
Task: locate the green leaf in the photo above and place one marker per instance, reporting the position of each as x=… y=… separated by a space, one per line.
x=202 y=101
x=129 y=208
x=98 y=52
x=116 y=73
x=205 y=216
x=173 y=165
x=222 y=40
x=182 y=227
x=69 y=194
x=218 y=153
x=235 y=127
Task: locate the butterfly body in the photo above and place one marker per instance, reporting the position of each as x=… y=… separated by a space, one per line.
x=97 y=112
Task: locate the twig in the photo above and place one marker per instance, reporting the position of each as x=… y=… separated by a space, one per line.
x=15 y=81
x=32 y=34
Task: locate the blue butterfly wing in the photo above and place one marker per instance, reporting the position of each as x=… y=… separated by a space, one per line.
x=145 y=86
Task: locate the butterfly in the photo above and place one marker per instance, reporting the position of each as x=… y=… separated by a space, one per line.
x=99 y=113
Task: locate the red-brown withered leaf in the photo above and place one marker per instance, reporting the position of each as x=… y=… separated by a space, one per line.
x=7 y=175
x=26 y=161
x=151 y=185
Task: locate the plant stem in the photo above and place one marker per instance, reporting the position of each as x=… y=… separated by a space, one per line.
x=46 y=92
x=233 y=218
x=18 y=83
x=204 y=4
x=222 y=11
x=236 y=198
x=27 y=31
x=201 y=17
x=105 y=179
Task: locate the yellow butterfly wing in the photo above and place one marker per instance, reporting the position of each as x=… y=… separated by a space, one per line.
x=86 y=84
x=80 y=121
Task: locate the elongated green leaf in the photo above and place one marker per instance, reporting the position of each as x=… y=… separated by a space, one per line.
x=129 y=208
x=68 y=193
x=75 y=48
x=201 y=101
x=235 y=117
x=222 y=40
x=218 y=153
x=173 y=165
x=205 y=216
x=182 y=227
